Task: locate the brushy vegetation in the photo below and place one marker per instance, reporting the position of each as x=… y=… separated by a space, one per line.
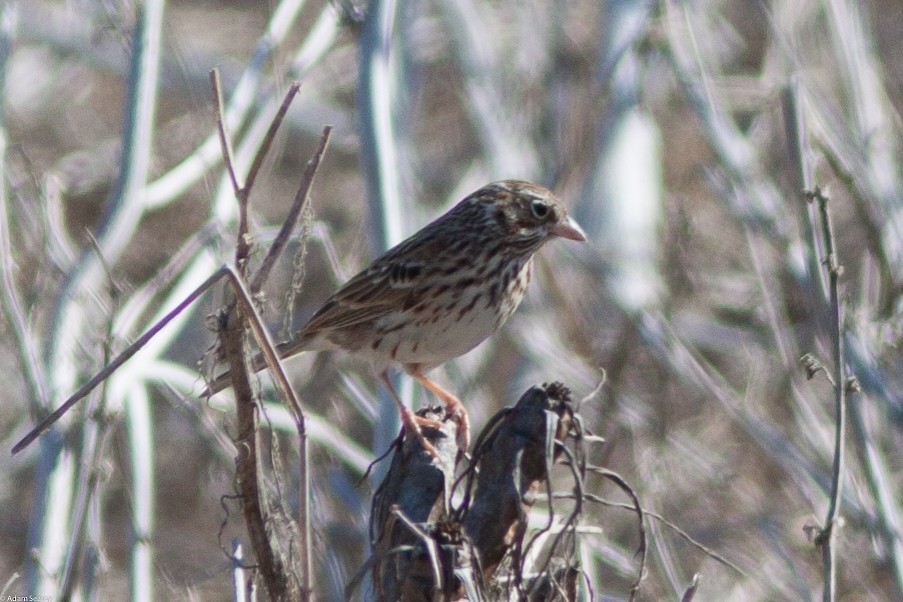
x=701 y=145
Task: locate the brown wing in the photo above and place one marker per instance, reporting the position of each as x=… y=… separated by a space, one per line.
x=382 y=288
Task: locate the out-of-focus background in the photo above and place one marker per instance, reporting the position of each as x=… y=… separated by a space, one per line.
x=670 y=129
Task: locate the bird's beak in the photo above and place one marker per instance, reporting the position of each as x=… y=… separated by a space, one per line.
x=568 y=229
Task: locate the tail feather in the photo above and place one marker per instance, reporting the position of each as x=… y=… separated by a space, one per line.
x=224 y=380
x=283 y=350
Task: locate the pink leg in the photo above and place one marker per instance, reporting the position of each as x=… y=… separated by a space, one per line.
x=453 y=407
x=411 y=421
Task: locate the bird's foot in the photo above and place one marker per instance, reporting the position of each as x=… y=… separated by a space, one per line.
x=454 y=409
x=411 y=421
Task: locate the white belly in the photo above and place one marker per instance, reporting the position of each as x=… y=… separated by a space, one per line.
x=433 y=338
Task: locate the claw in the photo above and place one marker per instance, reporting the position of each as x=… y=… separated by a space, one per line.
x=454 y=409
x=458 y=413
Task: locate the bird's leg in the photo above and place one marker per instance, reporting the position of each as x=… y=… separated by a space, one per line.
x=411 y=421
x=453 y=407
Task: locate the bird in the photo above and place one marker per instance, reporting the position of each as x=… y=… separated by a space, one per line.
x=439 y=293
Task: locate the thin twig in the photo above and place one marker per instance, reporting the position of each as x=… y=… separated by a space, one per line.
x=225 y=140
x=270 y=137
x=120 y=359
x=428 y=542
x=641 y=524
x=689 y=538
x=288 y=225
x=365 y=568
x=828 y=537
x=302 y=197
x=241 y=191
x=268 y=349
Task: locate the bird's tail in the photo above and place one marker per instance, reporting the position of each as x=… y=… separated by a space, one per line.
x=224 y=380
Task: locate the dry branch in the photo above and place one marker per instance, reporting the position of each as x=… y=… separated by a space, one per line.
x=285 y=577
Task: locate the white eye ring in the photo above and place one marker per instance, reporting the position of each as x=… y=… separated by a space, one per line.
x=539 y=209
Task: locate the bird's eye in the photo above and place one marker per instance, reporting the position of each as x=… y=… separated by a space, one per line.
x=539 y=209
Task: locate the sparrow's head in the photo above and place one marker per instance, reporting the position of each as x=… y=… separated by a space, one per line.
x=525 y=214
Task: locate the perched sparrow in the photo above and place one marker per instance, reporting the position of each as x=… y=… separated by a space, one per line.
x=440 y=293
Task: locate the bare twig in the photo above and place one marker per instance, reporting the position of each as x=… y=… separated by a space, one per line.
x=225 y=140
x=641 y=525
x=428 y=542
x=828 y=537
x=288 y=225
x=117 y=362
x=689 y=538
x=232 y=337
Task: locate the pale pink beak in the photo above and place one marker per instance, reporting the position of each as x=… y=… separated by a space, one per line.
x=568 y=229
